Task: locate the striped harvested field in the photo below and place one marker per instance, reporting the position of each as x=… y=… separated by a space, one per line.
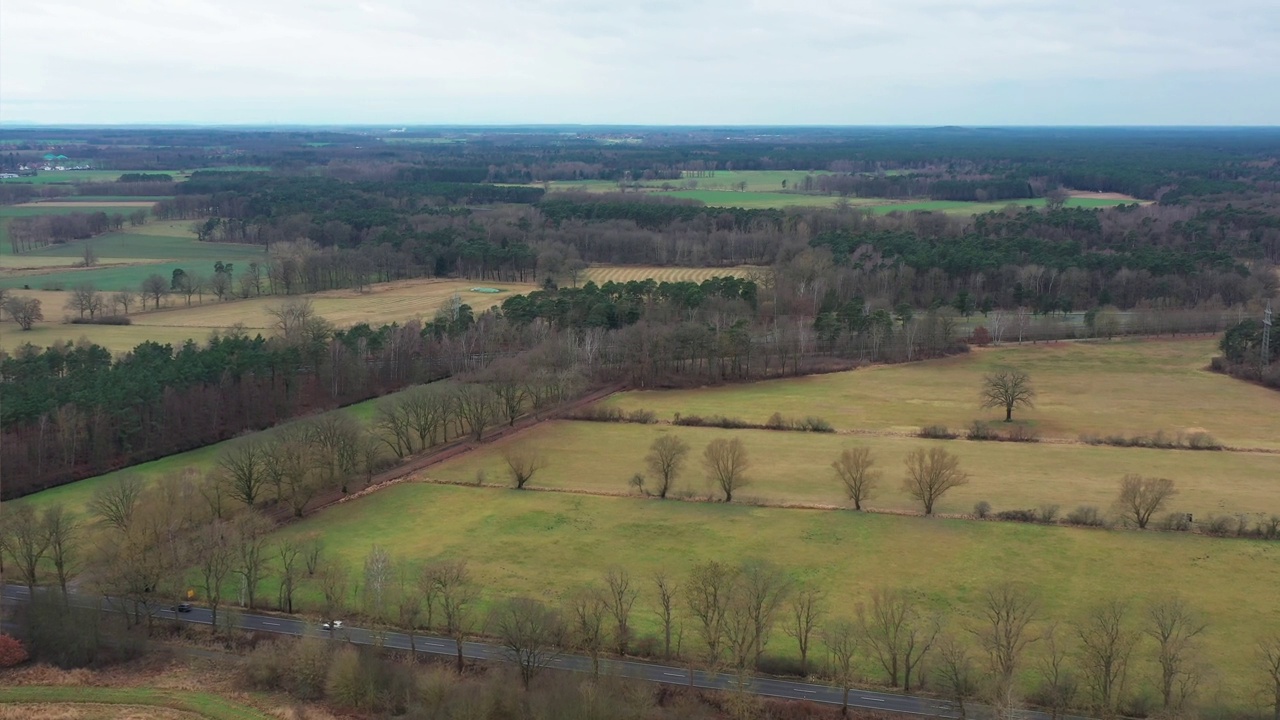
x=601 y=274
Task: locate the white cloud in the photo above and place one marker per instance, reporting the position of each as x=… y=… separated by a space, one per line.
x=655 y=61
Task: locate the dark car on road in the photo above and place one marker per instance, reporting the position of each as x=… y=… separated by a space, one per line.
x=182 y=607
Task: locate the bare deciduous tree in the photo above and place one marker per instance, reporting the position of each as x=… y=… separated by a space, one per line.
x=121 y=301
x=24 y=310
x=841 y=638
x=1106 y=643
x=931 y=474
x=334 y=586
x=1008 y=388
x=620 y=598
x=726 y=464
x=27 y=541
x=154 y=287
x=1058 y=684
x=64 y=533
x=522 y=462
x=477 y=406
x=249 y=539
x=114 y=503
x=667 y=590
x=1007 y=613
x=408 y=605
x=854 y=470
x=588 y=610
x=955 y=672
x=379 y=572
x=1142 y=497
x=530 y=633
x=1269 y=659
x=806 y=609
x=707 y=594
x=1175 y=626
x=666 y=456
x=289 y=552
x=458 y=598
x=214 y=554
x=896 y=633
x=244 y=464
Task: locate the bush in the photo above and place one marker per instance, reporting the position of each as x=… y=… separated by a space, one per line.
x=103 y=320
x=936 y=432
x=980 y=430
x=637 y=483
x=267 y=667
x=308 y=668
x=1022 y=433
x=348 y=684
x=1087 y=516
x=712 y=421
x=12 y=652
x=642 y=417
x=1048 y=514
x=1202 y=441
x=1219 y=525
x=1269 y=529
x=597 y=413
x=1176 y=521
x=981 y=509
x=817 y=424
x=777 y=422
x=1027 y=516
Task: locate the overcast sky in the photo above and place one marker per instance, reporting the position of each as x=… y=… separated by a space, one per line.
x=844 y=62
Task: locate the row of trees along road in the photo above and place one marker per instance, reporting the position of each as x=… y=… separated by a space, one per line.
x=145 y=545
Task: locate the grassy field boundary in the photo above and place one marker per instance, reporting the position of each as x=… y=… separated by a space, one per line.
x=200 y=703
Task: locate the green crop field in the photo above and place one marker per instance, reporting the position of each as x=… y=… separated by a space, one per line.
x=168 y=253
x=754 y=200
x=545 y=545
x=1127 y=387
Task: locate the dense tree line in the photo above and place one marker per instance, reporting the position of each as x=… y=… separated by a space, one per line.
x=31 y=233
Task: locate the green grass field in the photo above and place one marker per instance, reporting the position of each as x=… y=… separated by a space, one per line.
x=795 y=468
x=81 y=698
x=1128 y=387
x=955 y=207
x=753 y=200
x=175 y=252
x=546 y=545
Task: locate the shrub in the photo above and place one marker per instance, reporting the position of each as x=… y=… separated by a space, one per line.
x=12 y=651
x=712 y=421
x=103 y=320
x=348 y=683
x=637 y=483
x=1022 y=433
x=981 y=509
x=1027 y=516
x=642 y=417
x=980 y=430
x=1219 y=525
x=816 y=424
x=1087 y=516
x=1091 y=439
x=597 y=413
x=267 y=667
x=1048 y=514
x=936 y=432
x=1176 y=521
x=1269 y=529
x=777 y=422
x=1203 y=441
x=308 y=669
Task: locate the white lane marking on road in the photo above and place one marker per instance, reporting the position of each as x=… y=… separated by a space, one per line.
x=803 y=690
x=863 y=697
x=679 y=675
x=268 y=622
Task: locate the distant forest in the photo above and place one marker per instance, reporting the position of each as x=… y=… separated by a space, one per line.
x=347 y=207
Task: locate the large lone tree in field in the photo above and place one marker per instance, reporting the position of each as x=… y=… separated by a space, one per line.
x=1008 y=388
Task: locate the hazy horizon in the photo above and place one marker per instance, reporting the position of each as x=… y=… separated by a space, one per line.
x=916 y=63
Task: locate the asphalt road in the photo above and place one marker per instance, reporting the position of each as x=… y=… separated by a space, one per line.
x=652 y=672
